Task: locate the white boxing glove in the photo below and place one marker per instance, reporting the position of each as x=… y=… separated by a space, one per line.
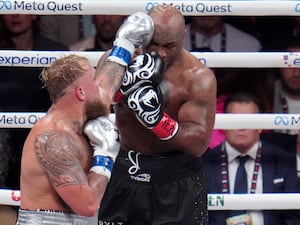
x=136 y=31
x=104 y=138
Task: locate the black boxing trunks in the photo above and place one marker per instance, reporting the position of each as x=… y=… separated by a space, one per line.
x=49 y=217
x=151 y=190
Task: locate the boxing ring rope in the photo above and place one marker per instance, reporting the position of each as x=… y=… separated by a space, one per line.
x=215 y=201
x=214 y=60
x=223 y=120
x=188 y=8
x=18 y=58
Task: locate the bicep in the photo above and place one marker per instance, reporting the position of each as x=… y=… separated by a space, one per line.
x=196 y=116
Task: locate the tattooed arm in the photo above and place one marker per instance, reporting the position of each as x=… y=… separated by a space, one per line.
x=60 y=156
x=110 y=76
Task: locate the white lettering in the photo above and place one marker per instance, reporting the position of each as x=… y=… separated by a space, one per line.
x=26 y=60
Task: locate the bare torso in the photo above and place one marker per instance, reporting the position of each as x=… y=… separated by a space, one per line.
x=38 y=192
x=181 y=86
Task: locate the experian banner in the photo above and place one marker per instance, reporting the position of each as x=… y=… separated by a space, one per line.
x=19 y=58
x=189 y=8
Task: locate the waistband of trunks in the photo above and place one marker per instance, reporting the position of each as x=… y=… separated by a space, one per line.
x=156 y=168
x=49 y=217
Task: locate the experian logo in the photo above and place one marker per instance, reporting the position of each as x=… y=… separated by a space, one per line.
x=5 y=5
x=35 y=6
x=26 y=60
x=291 y=59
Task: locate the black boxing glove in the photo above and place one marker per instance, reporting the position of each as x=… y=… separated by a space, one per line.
x=146 y=102
x=147 y=67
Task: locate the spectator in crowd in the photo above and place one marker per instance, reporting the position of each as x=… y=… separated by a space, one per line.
x=267 y=169
x=287 y=99
x=257 y=81
x=211 y=33
x=66 y=29
x=266 y=29
x=106 y=28
x=287 y=87
x=21 y=32
x=8 y=214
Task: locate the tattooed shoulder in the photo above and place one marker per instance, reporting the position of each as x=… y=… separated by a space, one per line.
x=58 y=154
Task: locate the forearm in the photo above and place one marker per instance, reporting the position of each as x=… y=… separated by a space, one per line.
x=110 y=76
x=195 y=128
x=97 y=183
x=193 y=139
x=190 y=138
x=88 y=196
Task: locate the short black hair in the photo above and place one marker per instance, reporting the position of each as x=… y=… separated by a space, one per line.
x=243 y=97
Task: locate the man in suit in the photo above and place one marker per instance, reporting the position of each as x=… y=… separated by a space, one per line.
x=268 y=169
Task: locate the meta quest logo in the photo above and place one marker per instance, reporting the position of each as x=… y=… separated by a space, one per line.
x=5 y=5
x=8 y=5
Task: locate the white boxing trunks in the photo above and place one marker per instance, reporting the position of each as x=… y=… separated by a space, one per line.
x=49 y=217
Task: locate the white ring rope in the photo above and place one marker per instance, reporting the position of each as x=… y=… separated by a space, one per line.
x=188 y=8
x=223 y=120
x=215 y=201
x=20 y=58
x=10 y=197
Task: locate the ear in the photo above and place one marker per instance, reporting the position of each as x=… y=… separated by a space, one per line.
x=80 y=93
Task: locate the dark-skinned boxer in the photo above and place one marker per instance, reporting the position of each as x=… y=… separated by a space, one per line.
x=165 y=127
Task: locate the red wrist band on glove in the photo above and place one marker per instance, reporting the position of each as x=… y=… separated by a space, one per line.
x=166 y=128
x=118 y=97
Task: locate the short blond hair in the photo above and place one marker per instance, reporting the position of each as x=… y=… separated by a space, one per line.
x=62 y=73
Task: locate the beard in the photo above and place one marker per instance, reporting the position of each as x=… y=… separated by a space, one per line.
x=96 y=108
x=290 y=90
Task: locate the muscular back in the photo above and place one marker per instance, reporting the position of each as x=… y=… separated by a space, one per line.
x=189 y=93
